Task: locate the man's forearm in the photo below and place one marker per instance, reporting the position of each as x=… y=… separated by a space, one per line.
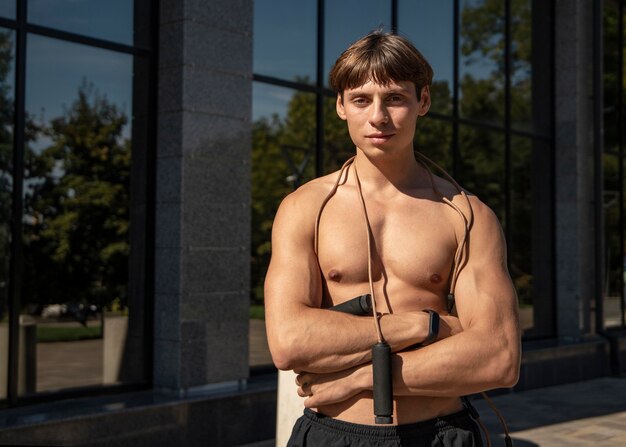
x=327 y=341
x=467 y=363
x=321 y=341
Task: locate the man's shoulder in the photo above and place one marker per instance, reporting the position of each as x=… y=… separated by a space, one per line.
x=301 y=206
x=472 y=207
x=309 y=197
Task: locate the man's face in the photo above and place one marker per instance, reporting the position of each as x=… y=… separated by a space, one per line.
x=382 y=118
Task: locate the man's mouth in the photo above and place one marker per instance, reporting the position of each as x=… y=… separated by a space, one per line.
x=379 y=137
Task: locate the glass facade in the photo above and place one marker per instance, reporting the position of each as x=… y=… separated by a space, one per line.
x=485 y=125
x=614 y=42
x=70 y=313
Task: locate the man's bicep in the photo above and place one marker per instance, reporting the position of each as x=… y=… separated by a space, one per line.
x=293 y=279
x=484 y=293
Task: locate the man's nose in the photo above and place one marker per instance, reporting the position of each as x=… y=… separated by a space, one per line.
x=378 y=114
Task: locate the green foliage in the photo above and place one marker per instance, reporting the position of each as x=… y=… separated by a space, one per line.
x=77 y=206
x=6 y=162
x=257 y=312
x=52 y=334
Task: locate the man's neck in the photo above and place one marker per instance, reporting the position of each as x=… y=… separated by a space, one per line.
x=398 y=171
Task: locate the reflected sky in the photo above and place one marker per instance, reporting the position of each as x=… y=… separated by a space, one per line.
x=268 y=100
x=109 y=20
x=285 y=38
x=429 y=25
x=348 y=21
x=55 y=70
x=7 y=8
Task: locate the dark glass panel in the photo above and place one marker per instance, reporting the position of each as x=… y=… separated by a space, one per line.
x=429 y=25
x=285 y=39
x=108 y=20
x=7 y=8
x=612 y=81
x=7 y=63
x=482 y=166
x=614 y=258
x=76 y=214
x=433 y=138
x=521 y=239
x=338 y=145
x=349 y=20
x=481 y=68
x=521 y=64
x=283 y=157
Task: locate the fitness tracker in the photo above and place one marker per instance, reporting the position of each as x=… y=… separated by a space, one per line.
x=433 y=327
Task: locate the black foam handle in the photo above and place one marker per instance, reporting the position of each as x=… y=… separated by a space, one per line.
x=383 y=387
x=361 y=306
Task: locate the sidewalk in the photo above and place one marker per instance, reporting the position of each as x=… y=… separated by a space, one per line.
x=591 y=413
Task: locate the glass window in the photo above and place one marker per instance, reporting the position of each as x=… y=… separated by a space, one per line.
x=522 y=239
x=482 y=166
x=76 y=214
x=612 y=127
x=108 y=20
x=283 y=157
x=429 y=25
x=481 y=65
x=7 y=8
x=285 y=39
x=349 y=20
x=521 y=67
x=338 y=145
x=433 y=138
x=7 y=62
x=613 y=254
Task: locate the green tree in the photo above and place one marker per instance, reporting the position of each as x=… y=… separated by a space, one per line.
x=6 y=154
x=77 y=206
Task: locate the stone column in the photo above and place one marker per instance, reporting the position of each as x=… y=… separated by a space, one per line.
x=574 y=162
x=203 y=193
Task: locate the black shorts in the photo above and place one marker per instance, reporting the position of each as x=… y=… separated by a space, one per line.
x=454 y=430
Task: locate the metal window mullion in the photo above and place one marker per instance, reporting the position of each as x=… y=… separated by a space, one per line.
x=394 y=16
x=319 y=95
x=620 y=118
x=598 y=167
x=17 y=207
x=507 y=122
x=455 y=92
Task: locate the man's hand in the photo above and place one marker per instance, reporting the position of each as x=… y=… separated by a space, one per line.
x=330 y=388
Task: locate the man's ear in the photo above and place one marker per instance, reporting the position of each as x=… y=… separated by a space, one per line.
x=340 y=108
x=424 y=102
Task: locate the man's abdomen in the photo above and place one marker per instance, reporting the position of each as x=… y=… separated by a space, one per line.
x=407 y=409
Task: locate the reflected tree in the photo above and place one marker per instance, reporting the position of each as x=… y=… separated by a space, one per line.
x=482 y=164
x=6 y=154
x=77 y=206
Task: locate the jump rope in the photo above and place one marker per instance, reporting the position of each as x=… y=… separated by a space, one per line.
x=366 y=304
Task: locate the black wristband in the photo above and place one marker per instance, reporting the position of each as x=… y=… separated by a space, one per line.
x=433 y=327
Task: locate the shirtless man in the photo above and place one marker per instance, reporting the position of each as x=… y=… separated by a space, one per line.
x=383 y=88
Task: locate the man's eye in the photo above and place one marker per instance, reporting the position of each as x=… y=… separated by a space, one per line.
x=395 y=98
x=359 y=101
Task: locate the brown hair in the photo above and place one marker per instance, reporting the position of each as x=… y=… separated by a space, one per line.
x=382 y=58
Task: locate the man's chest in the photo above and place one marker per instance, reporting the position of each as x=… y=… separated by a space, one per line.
x=413 y=243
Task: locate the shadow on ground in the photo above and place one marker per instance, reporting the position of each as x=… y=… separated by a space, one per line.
x=546 y=407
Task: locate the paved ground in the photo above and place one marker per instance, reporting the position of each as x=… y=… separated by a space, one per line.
x=589 y=413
